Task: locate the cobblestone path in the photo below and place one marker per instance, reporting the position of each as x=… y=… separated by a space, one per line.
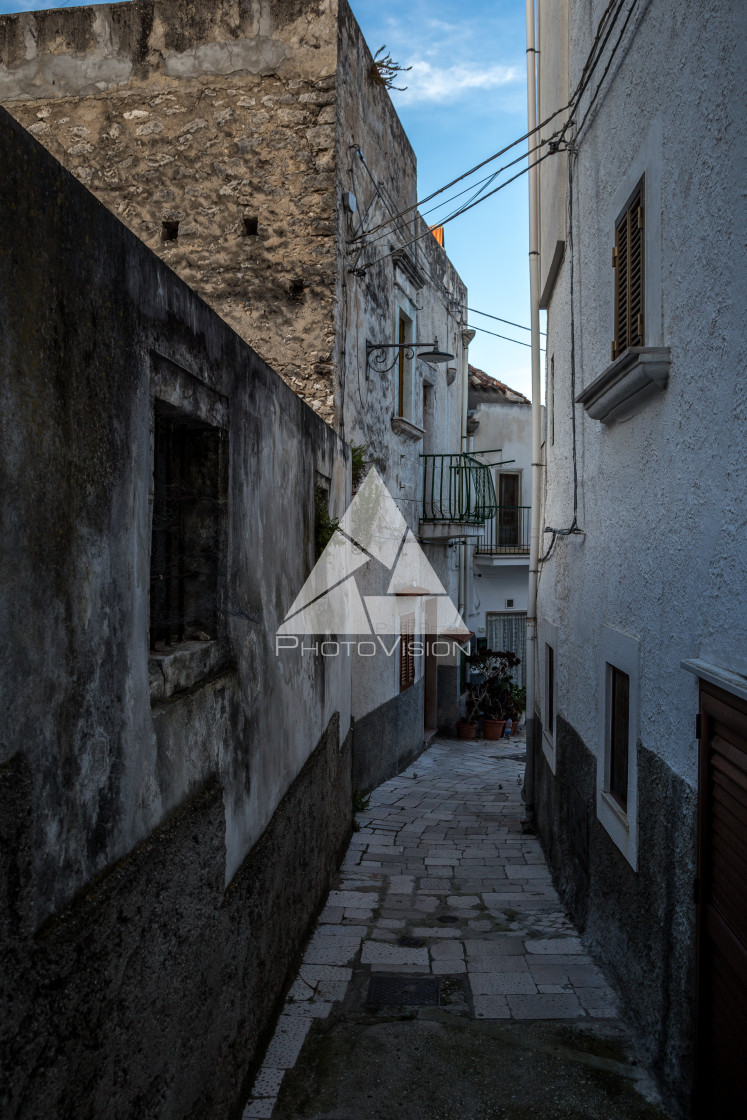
x=440 y=883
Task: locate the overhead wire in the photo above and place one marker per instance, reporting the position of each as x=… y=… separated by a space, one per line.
x=505 y=337
x=590 y=65
x=498 y=319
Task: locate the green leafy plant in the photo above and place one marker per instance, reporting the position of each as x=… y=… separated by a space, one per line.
x=490 y=693
x=358 y=463
x=324 y=525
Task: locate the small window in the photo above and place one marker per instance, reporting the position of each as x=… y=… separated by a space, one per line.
x=251 y=227
x=618 y=736
x=169 y=231
x=550 y=691
x=188 y=533
x=406 y=652
x=627 y=261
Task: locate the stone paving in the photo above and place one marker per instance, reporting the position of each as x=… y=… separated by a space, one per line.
x=440 y=881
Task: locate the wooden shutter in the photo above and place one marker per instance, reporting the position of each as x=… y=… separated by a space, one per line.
x=627 y=260
x=406 y=653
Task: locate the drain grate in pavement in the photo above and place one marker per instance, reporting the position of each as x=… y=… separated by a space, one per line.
x=411 y=942
x=403 y=991
x=447 y=919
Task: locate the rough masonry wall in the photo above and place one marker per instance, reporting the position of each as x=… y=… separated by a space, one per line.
x=218 y=116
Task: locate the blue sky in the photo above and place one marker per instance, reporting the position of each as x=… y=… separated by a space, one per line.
x=466 y=98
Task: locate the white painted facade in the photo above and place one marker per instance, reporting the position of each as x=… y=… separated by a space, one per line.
x=657 y=575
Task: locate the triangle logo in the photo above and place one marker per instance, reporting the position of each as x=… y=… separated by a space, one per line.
x=372 y=536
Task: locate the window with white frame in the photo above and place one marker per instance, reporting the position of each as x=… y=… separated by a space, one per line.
x=617 y=764
x=508 y=631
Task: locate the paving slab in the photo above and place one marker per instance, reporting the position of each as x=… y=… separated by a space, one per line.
x=439 y=882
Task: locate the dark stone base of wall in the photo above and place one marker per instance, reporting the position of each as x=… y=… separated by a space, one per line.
x=388 y=739
x=448 y=698
x=151 y=994
x=640 y=925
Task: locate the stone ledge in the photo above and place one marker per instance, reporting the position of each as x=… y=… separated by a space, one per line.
x=404 y=427
x=183 y=667
x=639 y=373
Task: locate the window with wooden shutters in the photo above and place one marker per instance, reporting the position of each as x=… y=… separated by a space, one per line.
x=627 y=261
x=406 y=652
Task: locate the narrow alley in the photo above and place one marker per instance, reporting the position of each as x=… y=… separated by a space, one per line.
x=443 y=979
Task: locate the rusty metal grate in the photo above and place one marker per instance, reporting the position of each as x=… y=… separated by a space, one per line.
x=404 y=991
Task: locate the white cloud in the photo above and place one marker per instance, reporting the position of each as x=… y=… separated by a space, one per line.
x=428 y=83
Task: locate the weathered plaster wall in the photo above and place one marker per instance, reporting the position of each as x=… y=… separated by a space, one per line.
x=96 y=328
x=206 y=115
x=382 y=175
x=169 y=116
x=661 y=493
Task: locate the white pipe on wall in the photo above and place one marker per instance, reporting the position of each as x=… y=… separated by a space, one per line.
x=534 y=281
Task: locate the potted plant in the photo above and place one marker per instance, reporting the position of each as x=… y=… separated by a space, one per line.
x=490 y=692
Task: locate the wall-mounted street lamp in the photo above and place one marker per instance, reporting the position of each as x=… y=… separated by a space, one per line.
x=376 y=356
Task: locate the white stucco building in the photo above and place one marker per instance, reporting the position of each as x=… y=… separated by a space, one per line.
x=500 y=420
x=642 y=613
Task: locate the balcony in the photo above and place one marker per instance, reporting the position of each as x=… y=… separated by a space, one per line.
x=506 y=534
x=458 y=496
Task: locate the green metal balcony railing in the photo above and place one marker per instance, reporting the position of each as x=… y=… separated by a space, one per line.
x=507 y=533
x=457 y=488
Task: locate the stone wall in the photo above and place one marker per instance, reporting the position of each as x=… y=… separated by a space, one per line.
x=169 y=820
x=220 y=117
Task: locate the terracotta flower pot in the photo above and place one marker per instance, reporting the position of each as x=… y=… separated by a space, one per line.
x=466 y=730
x=493 y=728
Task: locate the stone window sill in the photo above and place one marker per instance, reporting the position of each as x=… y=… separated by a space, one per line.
x=182 y=667
x=404 y=427
x=638 y=374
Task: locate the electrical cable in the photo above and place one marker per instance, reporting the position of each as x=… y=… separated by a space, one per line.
x=586 y=74
x=503 y=336
x=463 y=209
x=606 y=69
x=499 y=320
x=477 y=167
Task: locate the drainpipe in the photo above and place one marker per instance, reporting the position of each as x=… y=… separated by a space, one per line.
x=534 y=277
x=467 y=336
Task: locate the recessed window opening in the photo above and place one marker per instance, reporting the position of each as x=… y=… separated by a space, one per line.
x=187 y=545
x=169 y=231
x=618 y=735
x=296 y=288
x=251 y=227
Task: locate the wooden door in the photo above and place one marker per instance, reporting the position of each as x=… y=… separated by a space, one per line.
x=721 y=1019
